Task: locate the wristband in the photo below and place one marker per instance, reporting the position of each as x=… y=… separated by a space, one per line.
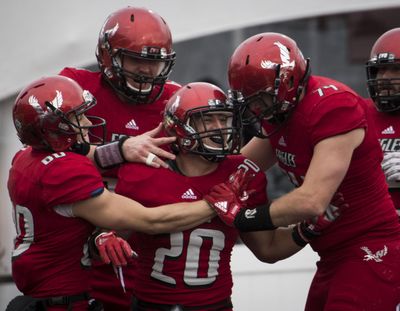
x=256 y=219
x=297 y=237
x=307 y=231
x=107 y=233
x=111 y=154
x=302 y=234
x=93 y=251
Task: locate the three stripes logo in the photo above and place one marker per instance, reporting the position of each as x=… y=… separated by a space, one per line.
x=131 y=125
x=189 y=194
x=222 y=206
x=388 y=131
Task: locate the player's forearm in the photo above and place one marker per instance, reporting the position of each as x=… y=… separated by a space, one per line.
x=113 y=211
x=296 y=206
x=180 y=216
x=271 y=246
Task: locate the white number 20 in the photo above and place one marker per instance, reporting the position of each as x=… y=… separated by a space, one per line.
x=190 y=276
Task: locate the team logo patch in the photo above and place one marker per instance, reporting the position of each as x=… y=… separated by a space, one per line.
x=377 y=257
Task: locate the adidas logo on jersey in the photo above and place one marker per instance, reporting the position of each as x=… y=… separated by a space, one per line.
x=282 y=142
x=389 y=130
x=189 y=194
x=131 y=125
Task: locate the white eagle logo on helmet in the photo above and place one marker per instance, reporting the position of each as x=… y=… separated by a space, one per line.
x=175 y=105
x=33 y=101
x=110 y=32
x=58 y=100
x=285 y=58
x=285 y=55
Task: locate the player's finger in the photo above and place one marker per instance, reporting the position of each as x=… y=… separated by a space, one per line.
x=160 y=141
x=128 y=252
x=104 y=257
x=156 y=131
x=114 y=257
x=161 y=153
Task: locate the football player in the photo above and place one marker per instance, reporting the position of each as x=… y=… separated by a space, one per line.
x=383 y=79
x=135 y=57
x=58 y=195
x=190 y=270
x=318 y=131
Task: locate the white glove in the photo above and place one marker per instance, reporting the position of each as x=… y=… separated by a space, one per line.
x=391 y=166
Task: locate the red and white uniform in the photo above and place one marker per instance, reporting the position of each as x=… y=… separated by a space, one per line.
x=190 y=268
x=122 y=119
x=49 y=249
x=387 y=128
x=360 y=251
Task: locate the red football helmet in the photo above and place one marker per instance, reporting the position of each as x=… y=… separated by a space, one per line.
x=135 y=34
x=270 y=72
x=204 y=121
x=385 y=92
x=44 y=109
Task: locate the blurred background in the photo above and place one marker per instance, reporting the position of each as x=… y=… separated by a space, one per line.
x=41 y=37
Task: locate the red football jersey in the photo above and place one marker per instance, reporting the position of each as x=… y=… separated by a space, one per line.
x=50 y=248
x=387 y=128
x=330 y=108
x=122 y=118
x=191 y=268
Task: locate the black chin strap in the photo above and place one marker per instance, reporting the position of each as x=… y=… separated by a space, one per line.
x=80 y=148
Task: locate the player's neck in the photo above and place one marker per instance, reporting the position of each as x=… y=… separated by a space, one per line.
x=194 y=165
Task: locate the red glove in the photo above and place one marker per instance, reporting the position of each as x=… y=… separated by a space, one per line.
x=229 y=197
x=311 y=228
x=333 y=211
x=113 y=249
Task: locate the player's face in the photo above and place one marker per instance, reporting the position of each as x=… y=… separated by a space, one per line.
x=142 y=67
x=214 y=121
x=261 y=105
x=81 y=121
x=386 y=86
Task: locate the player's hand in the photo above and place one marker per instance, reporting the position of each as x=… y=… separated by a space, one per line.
x=229 y=197
x=113 y=249
x=391 y=166
x=146 y=149
x=314 y=227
